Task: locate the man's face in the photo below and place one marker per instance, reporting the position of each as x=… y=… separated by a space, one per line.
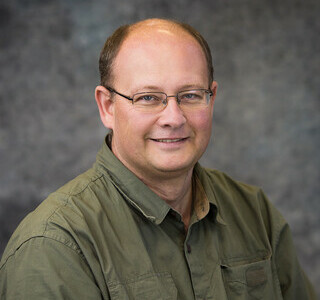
x=170 y=142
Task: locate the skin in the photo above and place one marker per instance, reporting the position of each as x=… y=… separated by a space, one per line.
x=159 y=57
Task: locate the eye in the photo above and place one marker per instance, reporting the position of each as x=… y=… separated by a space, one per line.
x=191 y=96
x=147 y=99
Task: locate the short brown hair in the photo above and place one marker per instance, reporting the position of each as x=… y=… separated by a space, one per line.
x=113 y=44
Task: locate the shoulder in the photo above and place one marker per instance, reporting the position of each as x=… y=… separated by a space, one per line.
x=239 y=203
x=52 y=219
x=226 y=187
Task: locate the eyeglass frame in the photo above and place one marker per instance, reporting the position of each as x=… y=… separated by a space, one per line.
x=165 y=102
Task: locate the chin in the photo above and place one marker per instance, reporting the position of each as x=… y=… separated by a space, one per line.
x=174 y=167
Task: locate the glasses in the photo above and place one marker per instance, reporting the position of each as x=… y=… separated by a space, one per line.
x=157 y=101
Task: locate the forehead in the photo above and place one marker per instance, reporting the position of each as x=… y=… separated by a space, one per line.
x=160 y=51
x=157 y=33
x=153 y=26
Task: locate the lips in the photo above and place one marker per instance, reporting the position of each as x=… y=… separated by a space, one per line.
x=175 y=140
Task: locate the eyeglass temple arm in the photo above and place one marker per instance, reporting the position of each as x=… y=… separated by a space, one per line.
x=114 y=91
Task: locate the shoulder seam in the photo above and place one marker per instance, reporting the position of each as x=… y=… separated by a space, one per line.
x=91 y=180
x=68 y=197
x=72 y=246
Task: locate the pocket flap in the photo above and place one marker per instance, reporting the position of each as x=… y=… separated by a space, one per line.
x=249 y=281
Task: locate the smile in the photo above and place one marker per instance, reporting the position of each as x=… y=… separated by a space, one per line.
x=169 y=140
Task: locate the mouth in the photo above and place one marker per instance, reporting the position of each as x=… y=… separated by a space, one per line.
x=169 y=140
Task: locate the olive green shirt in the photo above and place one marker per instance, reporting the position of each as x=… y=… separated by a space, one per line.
x=106 y=235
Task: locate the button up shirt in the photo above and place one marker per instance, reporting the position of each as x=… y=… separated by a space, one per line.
x=106 y=235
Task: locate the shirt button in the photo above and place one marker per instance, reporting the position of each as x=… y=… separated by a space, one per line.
x=188 y=248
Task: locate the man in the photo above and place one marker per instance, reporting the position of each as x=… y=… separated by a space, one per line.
x=147 y=221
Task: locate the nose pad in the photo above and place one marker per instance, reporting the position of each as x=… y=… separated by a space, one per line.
x=165 y=102
x=172 y=114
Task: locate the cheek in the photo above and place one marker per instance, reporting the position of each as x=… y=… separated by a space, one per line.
x=201 y=122
x=132 y=125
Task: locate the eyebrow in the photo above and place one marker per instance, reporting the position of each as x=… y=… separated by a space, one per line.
x=147 y=88
x=191 y=86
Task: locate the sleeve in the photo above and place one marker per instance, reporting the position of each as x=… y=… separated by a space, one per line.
x=44 y=268
x=294 y=283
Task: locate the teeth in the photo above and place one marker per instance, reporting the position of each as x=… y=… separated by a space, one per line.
x=168 y=140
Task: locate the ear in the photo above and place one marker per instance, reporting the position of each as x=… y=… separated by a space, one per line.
x=105 y=105
x=214 y=87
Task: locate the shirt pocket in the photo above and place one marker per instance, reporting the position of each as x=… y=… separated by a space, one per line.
x=250 y=281
x=156 y=286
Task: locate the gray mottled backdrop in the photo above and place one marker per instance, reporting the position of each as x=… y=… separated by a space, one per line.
x=266 y=126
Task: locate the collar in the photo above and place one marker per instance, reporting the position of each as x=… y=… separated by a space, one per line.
x=130 y=186
x=144 y=199
x=206 y=200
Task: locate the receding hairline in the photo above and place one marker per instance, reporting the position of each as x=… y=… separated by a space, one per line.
x=146 y=27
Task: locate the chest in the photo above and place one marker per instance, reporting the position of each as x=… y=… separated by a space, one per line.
x=141 y=260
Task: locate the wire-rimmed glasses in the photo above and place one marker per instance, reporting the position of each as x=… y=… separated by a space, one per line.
x=156 y=101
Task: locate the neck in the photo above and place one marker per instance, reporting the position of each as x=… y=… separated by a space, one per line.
x=176 y=192
x=175 y=188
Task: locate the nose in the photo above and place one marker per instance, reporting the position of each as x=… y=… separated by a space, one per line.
x=172 y=115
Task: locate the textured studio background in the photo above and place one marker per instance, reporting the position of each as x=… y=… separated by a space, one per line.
x=266 y=126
